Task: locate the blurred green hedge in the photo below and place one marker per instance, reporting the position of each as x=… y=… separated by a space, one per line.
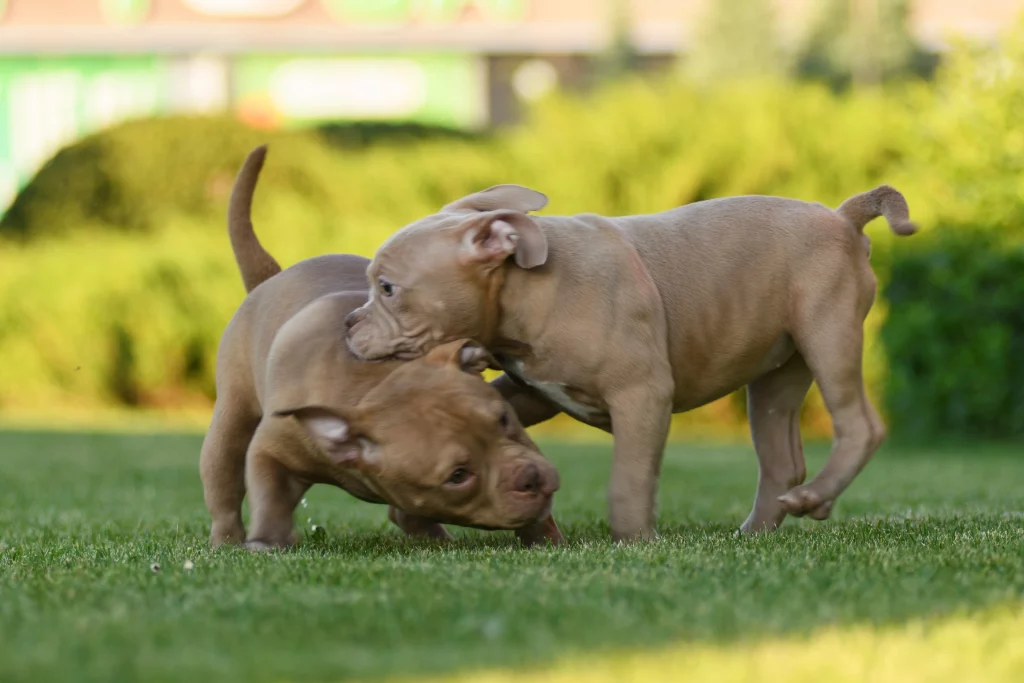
x=116 y=277
x=955 y=333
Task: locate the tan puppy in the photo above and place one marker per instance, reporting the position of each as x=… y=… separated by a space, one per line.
x=294 y=408
x=622 y=321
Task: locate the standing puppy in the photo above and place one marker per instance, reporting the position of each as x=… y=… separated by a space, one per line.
x=620 y=322
x=429 y=437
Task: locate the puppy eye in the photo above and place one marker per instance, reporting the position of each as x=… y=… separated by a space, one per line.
x=503 y=421
x=386 y=288
x=459 y=476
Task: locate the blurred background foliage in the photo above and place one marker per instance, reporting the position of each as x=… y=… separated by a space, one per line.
x=116 y=277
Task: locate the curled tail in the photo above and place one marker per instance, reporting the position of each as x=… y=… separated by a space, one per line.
x=253 y=260
x=881 y=201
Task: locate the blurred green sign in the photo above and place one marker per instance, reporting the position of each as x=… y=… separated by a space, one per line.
x=447 y=90
x=401 y=11
x=46 y=103
x=125 y=11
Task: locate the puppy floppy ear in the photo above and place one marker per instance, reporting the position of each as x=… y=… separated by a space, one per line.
x=335 y=434
x=515 y=197
x=494 y=237
x=464 y=354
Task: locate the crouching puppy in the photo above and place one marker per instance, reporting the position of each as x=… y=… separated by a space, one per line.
x=621 y=322
x=429 y=437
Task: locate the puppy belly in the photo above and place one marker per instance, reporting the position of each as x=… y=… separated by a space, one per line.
x=572 y=401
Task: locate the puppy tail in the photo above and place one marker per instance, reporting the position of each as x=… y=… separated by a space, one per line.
x=881 y=201
x=253 y=260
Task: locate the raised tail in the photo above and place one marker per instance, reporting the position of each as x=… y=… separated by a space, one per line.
x=881 y=201
x=253 y=260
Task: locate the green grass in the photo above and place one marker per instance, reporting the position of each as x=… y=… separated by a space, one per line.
x=920 y=535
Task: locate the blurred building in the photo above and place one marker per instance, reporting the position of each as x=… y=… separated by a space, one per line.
x=68 y=67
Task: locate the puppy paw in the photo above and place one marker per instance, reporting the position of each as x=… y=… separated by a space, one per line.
x=432 y=532
x=804 y=500
x=761 y=525
x=822 y=512
x=623 y=538
x=256 y=546
x=231 y=534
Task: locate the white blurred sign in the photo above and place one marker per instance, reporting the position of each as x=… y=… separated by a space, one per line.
x=244 y=8
x=8 y=185
x=48 y=103
x=367 y=88
x=43 y=115
x=199 y=83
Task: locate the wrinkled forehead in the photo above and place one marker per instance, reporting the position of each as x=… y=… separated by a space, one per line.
x=423 y=393
x=423 y=449
x=438 y=392
x=421 y=440
x=417 y=244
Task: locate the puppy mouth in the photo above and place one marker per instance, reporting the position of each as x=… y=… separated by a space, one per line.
x=354 y=353
x=360 y=356
x=521 y=523
x=545 y=511
x=394 y=355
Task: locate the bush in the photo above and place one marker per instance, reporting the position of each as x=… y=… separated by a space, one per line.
x=955 y=337
x=122 y=240
x=116 y=277
x=124 y=178
x=131 y=177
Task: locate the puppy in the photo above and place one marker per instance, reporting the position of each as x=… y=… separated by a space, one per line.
x=621 y=322
x=429 y=437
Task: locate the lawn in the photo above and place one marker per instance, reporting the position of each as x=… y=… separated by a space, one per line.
x=921 y=570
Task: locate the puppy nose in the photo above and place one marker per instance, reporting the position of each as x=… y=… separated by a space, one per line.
x=549 y=481
x=528 y=480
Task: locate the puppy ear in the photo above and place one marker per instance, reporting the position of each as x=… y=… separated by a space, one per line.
x=496 y=236
x=335 y=434
x=464 y=354
x=515 y=197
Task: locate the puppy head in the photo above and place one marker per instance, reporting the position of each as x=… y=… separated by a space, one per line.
x=436 y=440
x=430 y=283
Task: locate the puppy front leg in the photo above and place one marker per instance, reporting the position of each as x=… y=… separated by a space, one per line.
x=640 y=421
x=273 y=495
x=222 y=468
x=417 y=527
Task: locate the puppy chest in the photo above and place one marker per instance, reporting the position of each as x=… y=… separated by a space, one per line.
x=584 y=406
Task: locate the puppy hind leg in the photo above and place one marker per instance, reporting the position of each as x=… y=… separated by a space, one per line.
x=773 y=406
x=833 y=349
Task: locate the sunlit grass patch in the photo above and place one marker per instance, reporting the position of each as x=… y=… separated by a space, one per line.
x=985 y=647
